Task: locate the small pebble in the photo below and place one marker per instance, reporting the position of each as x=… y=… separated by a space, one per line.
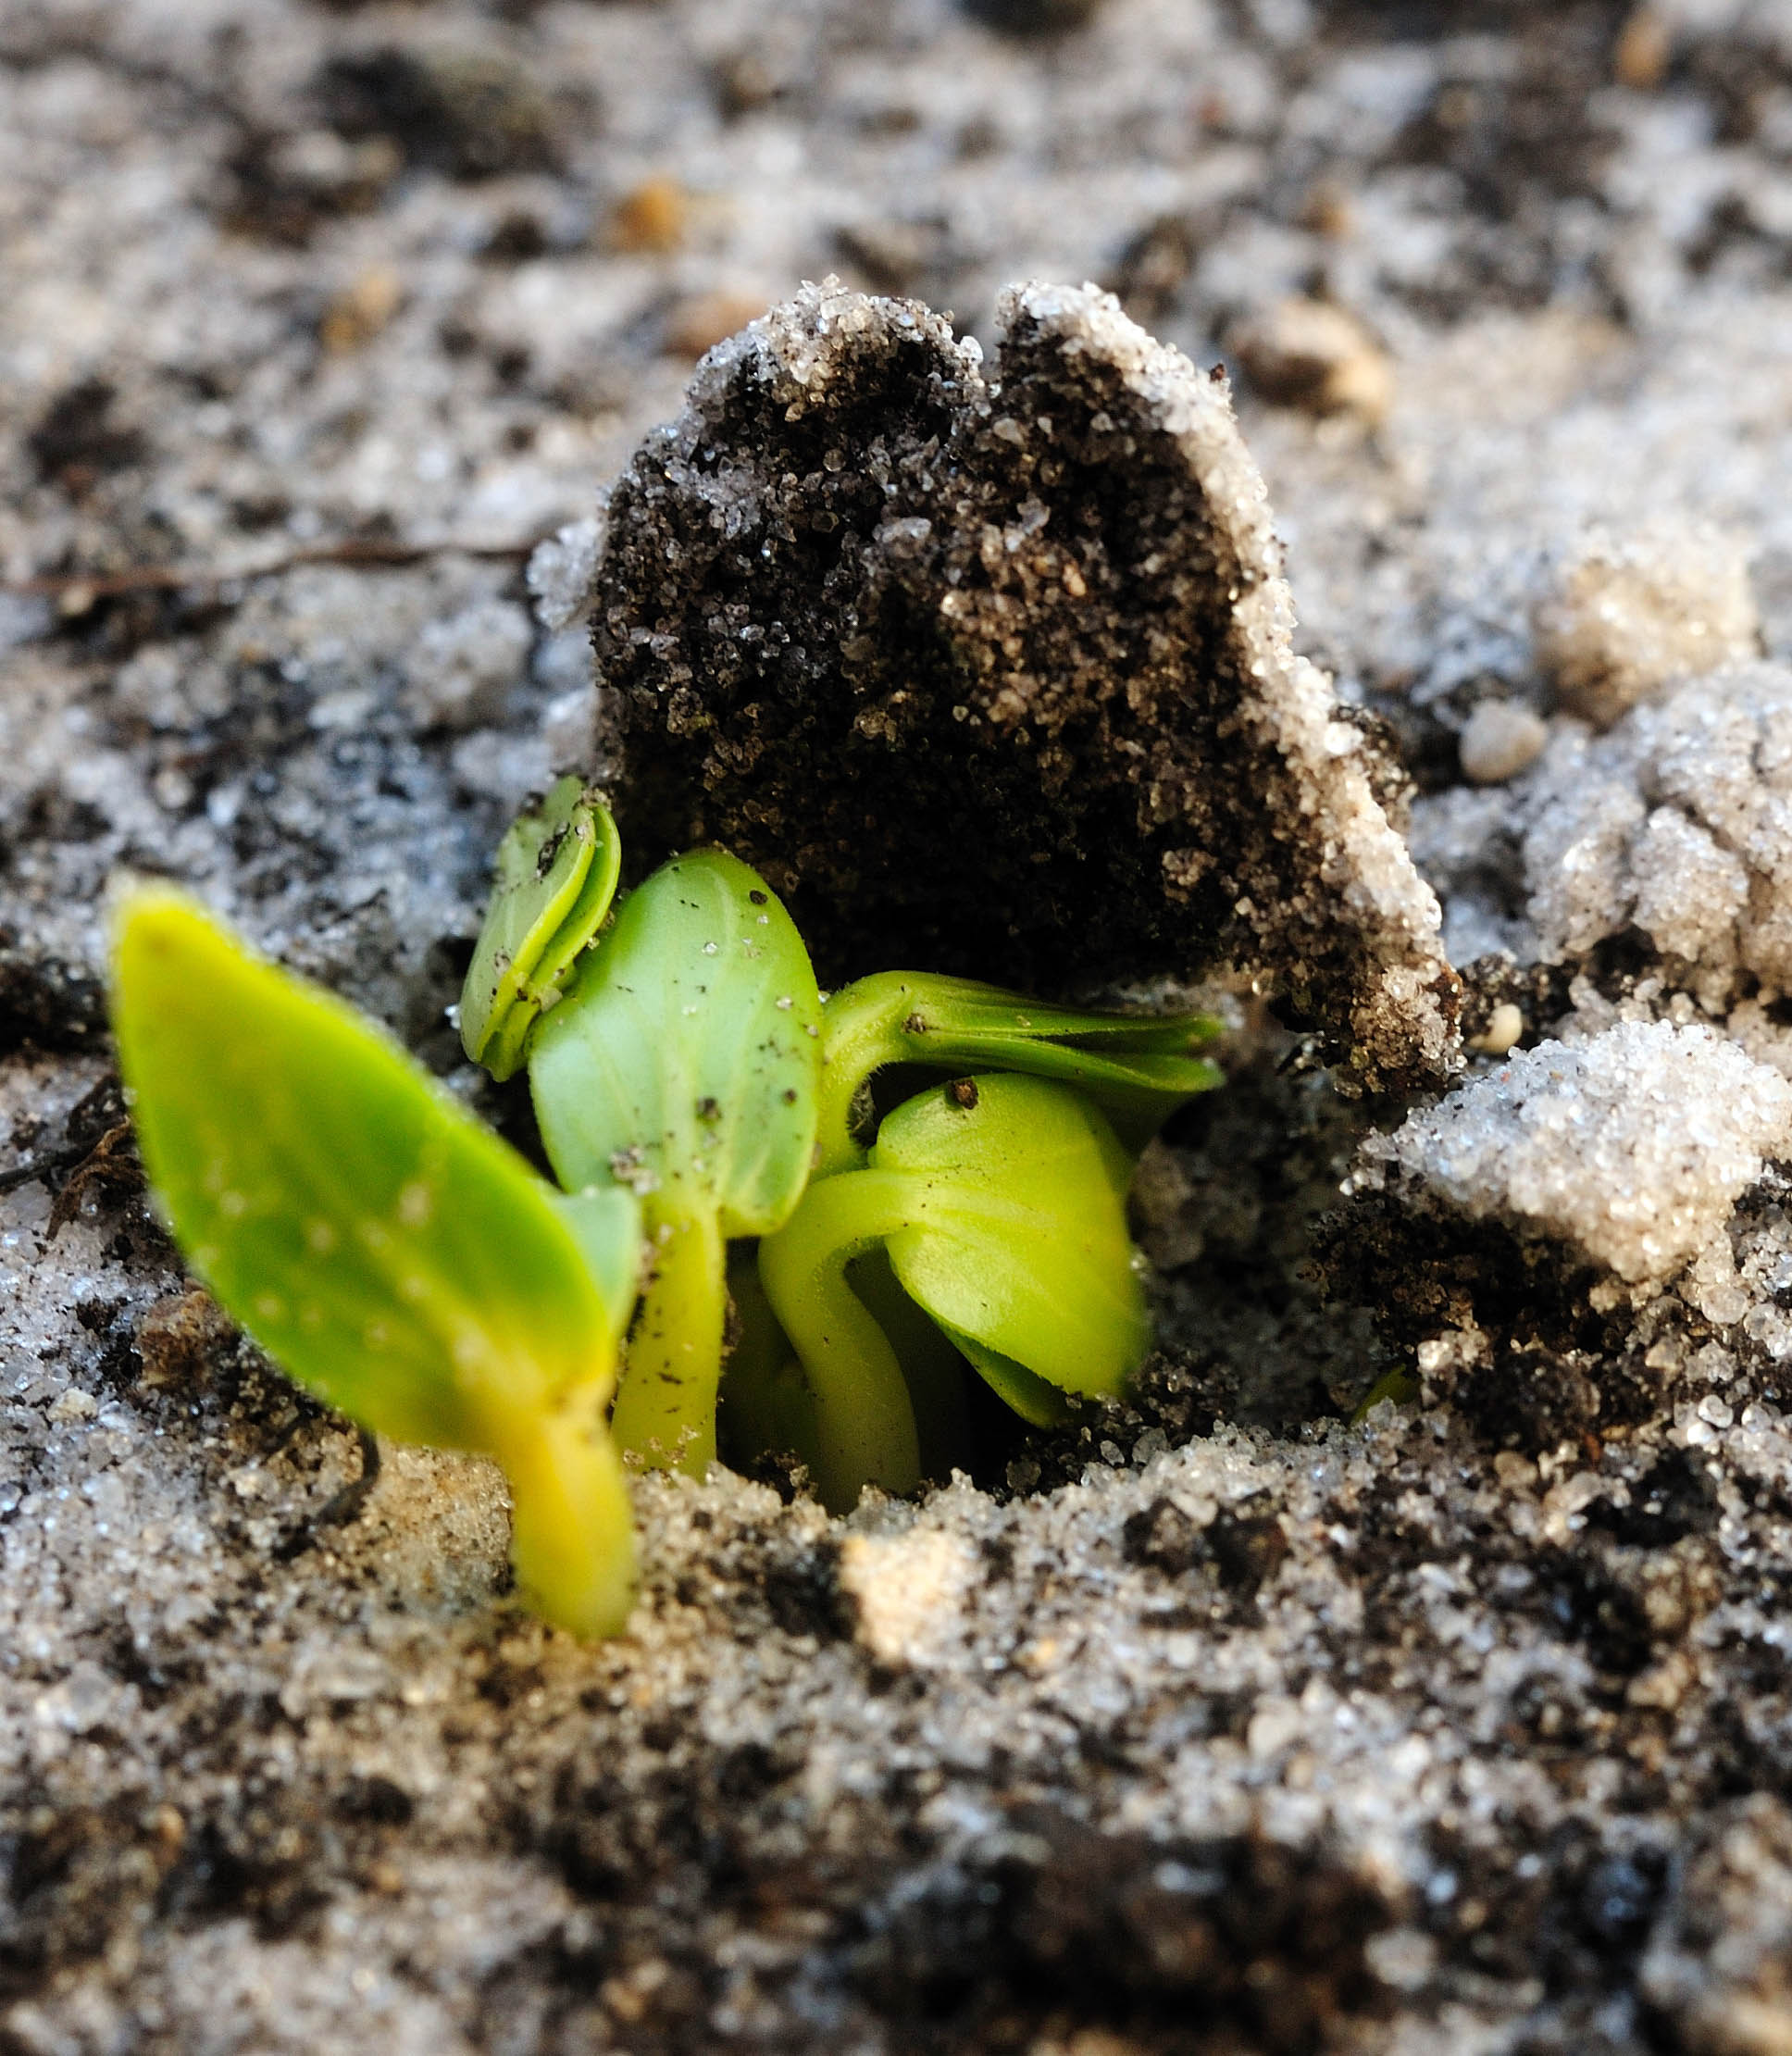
x=1309 y=354
x=1505 y=1025
x=695 y=326
x=362 y=309
x=1500 y=740
x=652 y=218
x=1643 y=51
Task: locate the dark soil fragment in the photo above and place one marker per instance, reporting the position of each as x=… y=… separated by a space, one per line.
x=1535 y=1399
x=994 y=673
x=77 y=1880
x=1033 y=18
x=1153 y=266
x=181 y=1335
x=471 y=113
x=1207 y=1941
x=1161 y=1537
x=1425 y=1273
x=1244 y=1549
x=49 y=1003
x=1675 y=1498
x=78 y=438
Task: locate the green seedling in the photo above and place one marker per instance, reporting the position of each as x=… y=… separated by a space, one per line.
x=555 y=876
x=1137 y=1069
x=683 y=1065
x=393 y=1256
x=767 y=1402
x=1001 y=1203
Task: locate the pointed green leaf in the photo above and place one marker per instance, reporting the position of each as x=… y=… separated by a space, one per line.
x=684 y=1062
x=1399 y=1385
x=1138 y=1068
x=1017 y=1231
x=392 y=1255
x=555 y=876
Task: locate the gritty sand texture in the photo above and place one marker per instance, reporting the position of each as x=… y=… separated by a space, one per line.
x=1635 y=1146
x=1621 y=619
x=1216 y=1722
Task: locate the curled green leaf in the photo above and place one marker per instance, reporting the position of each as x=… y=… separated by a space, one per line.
x=1000 y=1202
x=392 y=1255
x=683 y=1065
x=1019 y=1237
x=555 y=876
x=1138 y=1069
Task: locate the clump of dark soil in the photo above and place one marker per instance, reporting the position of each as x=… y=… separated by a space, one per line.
x=994 y=674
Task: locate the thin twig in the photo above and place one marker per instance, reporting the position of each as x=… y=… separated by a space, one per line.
x=87 y=587
x=16 y=1175
x=111 y=1161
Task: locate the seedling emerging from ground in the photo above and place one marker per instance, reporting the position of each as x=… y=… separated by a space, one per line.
x=555 y=876
x=1000 y=1202
x=1137 y=1069
x=683 y=1065
x=412 y=1270
x=392 y=1255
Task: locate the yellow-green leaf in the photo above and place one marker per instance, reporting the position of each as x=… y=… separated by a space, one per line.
x=555 y=876
x=1016 y=1237
x=390 y=1254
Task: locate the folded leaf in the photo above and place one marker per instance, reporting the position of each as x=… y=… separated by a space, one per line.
x=555 y=876
x=1016 y=1237
x=1138 y=1068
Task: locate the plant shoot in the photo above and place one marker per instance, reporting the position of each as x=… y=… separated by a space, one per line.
x=393 y=1256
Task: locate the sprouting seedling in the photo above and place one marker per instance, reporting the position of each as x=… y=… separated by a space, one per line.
x=392 y=1255
x=555 y=876
x=683 y=1064
x=1001 y=1201
x=1137 y=1069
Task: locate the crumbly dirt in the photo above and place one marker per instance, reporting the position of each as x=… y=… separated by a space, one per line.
x=1229 y=1725
x=996 y=673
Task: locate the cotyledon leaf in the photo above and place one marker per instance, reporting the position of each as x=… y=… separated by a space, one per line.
x=683 y=1064
x=999 y=1202
x=555 y=876
x=388 y=1251
x=1138 y=1069
x=1016 y=1237
x=1038 y=1404
x=683 y=1061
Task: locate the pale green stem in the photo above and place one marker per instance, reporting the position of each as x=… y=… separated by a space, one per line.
x=665 y=1409
x=862 y=1028
x=932 y=1367
x=865 y=1431
x=765 y=1403
x=572 y=1529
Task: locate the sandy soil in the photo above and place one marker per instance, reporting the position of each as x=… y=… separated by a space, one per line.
x=1217 y=1724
